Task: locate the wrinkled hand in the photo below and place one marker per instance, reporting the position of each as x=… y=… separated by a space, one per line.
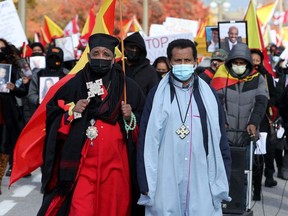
x=126 y=110
x=81 y=105
x=10 y=86
x=251 y=129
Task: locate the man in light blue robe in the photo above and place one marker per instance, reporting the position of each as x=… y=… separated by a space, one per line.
x=183 y=159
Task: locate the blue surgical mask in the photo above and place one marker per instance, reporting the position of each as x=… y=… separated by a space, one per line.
x=183 y=72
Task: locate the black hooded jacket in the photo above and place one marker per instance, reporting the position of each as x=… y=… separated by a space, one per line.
x=141 y=71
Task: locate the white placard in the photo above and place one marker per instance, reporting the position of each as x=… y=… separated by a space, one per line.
x=284 y=54
x=37 y=62
x=11 y=28
x=66 y=44
x=157 y=46
x=261 y=144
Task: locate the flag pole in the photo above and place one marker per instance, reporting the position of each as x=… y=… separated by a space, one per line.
x=122 y=50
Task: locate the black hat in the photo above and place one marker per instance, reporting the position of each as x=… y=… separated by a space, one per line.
x=56 y=51
x=103 y=40
x=37 y=44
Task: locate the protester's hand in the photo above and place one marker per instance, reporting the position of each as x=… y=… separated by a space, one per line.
x=126 y=110
x=25 y=80
x=81 y=105
x=10 y=86
x=251 y=129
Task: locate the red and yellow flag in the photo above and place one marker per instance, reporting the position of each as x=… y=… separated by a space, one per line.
x=223 y=79
x=88 y=26
x=265 y=13
x=26 y=50
x=51 y=30
x=29 y=147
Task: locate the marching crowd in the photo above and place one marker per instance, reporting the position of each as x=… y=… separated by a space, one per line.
x=165 y=136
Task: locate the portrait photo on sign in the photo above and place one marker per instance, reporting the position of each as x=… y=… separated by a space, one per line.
x=66 y=44
x=212 y=38
x=25 y=68
x=231 y=33
x=5 y=77
x=37 y=62
x=45 y=84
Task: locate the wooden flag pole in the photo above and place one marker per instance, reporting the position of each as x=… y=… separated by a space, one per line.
x=122 y=50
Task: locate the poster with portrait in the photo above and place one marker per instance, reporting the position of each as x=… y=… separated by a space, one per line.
x=212 y=38
x=5 y=77
x=25 y=68
x=45 y=83
x=231 y=33
x=66 y=44
x=37 y=62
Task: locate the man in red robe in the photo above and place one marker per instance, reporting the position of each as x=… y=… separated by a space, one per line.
x=90 y=139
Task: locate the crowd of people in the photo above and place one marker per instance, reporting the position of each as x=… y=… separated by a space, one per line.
x=156 y=141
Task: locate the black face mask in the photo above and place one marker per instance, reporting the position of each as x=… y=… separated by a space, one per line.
x=161 y=74
x=100 y=67
x=37 y=54
x=132 y=56
x=3 y=53
x=53 y=63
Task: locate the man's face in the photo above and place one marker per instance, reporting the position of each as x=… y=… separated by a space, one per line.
x=101 y=53
x=239 y=62
x=215 y=36
x=2 y=72
x=233 y=34
x=182 y=56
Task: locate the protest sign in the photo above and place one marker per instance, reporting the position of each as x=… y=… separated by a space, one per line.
x=11 y=28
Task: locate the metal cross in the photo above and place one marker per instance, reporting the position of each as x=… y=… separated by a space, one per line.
x=95 y=88
x=182 y=132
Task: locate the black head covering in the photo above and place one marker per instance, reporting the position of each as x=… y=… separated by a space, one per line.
x=137 y=40
x=103 y=40
x=240 y=50
x=37 y=44
x=56 y=51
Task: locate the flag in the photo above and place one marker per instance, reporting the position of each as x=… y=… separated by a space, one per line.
x=51 y=30
x=201 y=29
x=29 y=147
x=223 y=79
x=255 y=39
x=37 y=37
x=88 y=27
x=136 y=25
x=26 y=50
x=72 y=27
x=265 y=13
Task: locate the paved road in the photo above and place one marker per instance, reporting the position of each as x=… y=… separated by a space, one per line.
x=24 y=198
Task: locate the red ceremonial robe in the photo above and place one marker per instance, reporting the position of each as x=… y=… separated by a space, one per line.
x=103 y=184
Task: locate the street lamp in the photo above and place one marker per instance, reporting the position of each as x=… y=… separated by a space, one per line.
x=219 y=6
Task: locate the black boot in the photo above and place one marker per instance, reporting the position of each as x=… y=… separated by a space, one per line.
x=270 y=182
x=256 y=195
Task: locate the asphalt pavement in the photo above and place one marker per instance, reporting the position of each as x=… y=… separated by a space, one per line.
x=24 y=198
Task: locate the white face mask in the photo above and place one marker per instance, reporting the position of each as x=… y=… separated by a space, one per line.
x=239 y=70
